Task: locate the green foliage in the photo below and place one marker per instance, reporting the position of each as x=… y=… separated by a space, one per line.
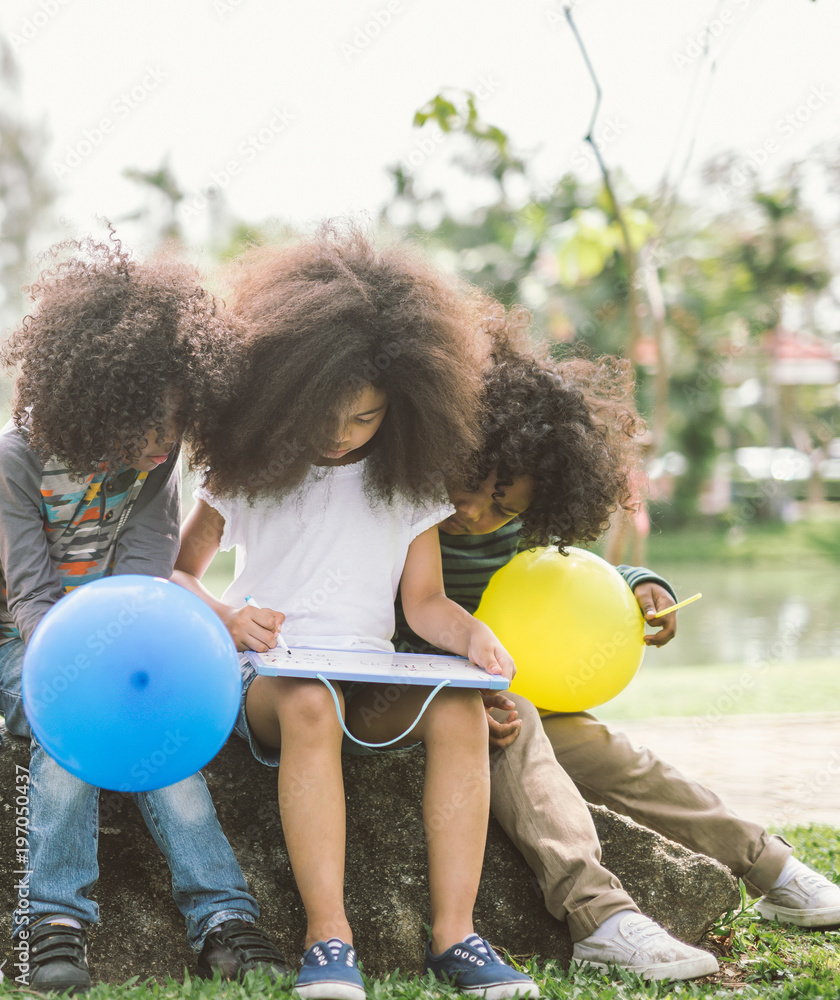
x=724 y=277
x=491 y=141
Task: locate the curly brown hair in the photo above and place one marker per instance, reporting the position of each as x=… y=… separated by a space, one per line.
x=323 y=319
x=572 y=425
x=111 y=347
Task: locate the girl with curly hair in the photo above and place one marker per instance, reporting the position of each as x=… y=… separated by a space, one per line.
x=118 y=360
x=357 y=406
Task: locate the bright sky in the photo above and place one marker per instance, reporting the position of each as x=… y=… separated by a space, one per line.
x=296 y=108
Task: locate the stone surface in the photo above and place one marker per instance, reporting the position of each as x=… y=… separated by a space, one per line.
x=682 y=890
x=142 y=933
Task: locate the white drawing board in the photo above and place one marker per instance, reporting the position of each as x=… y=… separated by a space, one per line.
x=375 y=667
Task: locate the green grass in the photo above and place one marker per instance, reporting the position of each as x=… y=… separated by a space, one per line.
x=758 y=960
x=728 y=689
x=815 y=540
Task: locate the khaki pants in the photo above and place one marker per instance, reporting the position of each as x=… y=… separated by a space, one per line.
x=537 y=791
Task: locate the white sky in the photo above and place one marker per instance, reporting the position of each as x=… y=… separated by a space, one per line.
x=212 y=73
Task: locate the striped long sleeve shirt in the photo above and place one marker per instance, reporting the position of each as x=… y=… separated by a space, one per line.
x=468 y=563
x=57 y=532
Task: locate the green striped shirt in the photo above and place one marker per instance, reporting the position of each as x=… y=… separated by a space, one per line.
x=468 y=563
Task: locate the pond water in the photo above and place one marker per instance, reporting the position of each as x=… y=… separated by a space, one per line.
x=752 y=614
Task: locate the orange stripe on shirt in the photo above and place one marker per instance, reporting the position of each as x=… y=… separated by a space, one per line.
x=77 y=568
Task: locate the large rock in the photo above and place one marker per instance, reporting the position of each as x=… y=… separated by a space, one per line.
x=142 y=934
x=685 y=892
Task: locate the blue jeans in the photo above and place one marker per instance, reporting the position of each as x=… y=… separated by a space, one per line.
x=207 y=882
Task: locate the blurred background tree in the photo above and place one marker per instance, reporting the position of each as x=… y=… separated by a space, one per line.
x=26 y=193
x=700 y=309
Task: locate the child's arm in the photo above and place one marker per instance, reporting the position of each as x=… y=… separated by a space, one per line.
x=435 y=618
x=653 y=594
x=148 y=542
x=251 y=628
x=33 y=584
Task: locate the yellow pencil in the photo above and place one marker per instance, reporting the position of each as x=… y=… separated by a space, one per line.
x=674 y=607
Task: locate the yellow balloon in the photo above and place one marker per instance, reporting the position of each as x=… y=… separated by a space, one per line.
x=571 y=624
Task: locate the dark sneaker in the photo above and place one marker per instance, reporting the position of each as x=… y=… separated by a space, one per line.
x=474 y=968
x=236 y=947
x=58 y=958
x=325 y=976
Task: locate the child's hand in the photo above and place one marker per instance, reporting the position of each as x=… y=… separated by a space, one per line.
x=254 y=628
x=653 y=597
x=501 y=734
x=486 y=651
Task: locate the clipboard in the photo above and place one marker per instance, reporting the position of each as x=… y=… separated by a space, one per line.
x=374 y=666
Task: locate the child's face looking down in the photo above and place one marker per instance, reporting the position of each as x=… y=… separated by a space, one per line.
x=484 y=510
x=157 y=447
x=364 y=418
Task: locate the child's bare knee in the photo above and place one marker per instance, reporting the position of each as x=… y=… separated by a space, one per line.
x=308 y=705
x=458 y=709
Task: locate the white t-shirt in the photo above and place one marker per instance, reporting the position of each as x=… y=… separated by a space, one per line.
x=325 y=556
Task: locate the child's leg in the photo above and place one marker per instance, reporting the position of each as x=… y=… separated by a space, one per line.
x=310 y=788
x=207 y=882
x=63 y=841
x=544 y=814
x=610 y=771
x=11 y=701
x=456 y=793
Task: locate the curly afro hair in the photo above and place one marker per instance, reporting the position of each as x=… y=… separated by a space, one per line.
x=112 y=348
x=323 y=319
x=571 y=425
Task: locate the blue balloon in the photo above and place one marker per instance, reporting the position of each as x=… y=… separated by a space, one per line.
x=131 y=683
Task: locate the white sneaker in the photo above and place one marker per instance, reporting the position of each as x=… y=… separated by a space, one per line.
x=808 y=900
x=640 y=945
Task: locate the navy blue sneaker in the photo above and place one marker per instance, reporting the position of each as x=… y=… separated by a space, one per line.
x=474 y=968
x=325 y=976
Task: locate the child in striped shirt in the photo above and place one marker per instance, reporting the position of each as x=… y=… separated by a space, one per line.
x=118 y=361
x=552 y=429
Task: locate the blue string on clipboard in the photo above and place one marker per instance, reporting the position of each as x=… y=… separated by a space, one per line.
x=396 y=739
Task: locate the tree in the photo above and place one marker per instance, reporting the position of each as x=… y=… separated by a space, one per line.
x=25 y=192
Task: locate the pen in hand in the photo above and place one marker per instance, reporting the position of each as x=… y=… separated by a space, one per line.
x=281 y=641
x=675 y=607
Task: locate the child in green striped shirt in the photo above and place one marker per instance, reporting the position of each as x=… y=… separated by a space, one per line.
x=554 y=463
